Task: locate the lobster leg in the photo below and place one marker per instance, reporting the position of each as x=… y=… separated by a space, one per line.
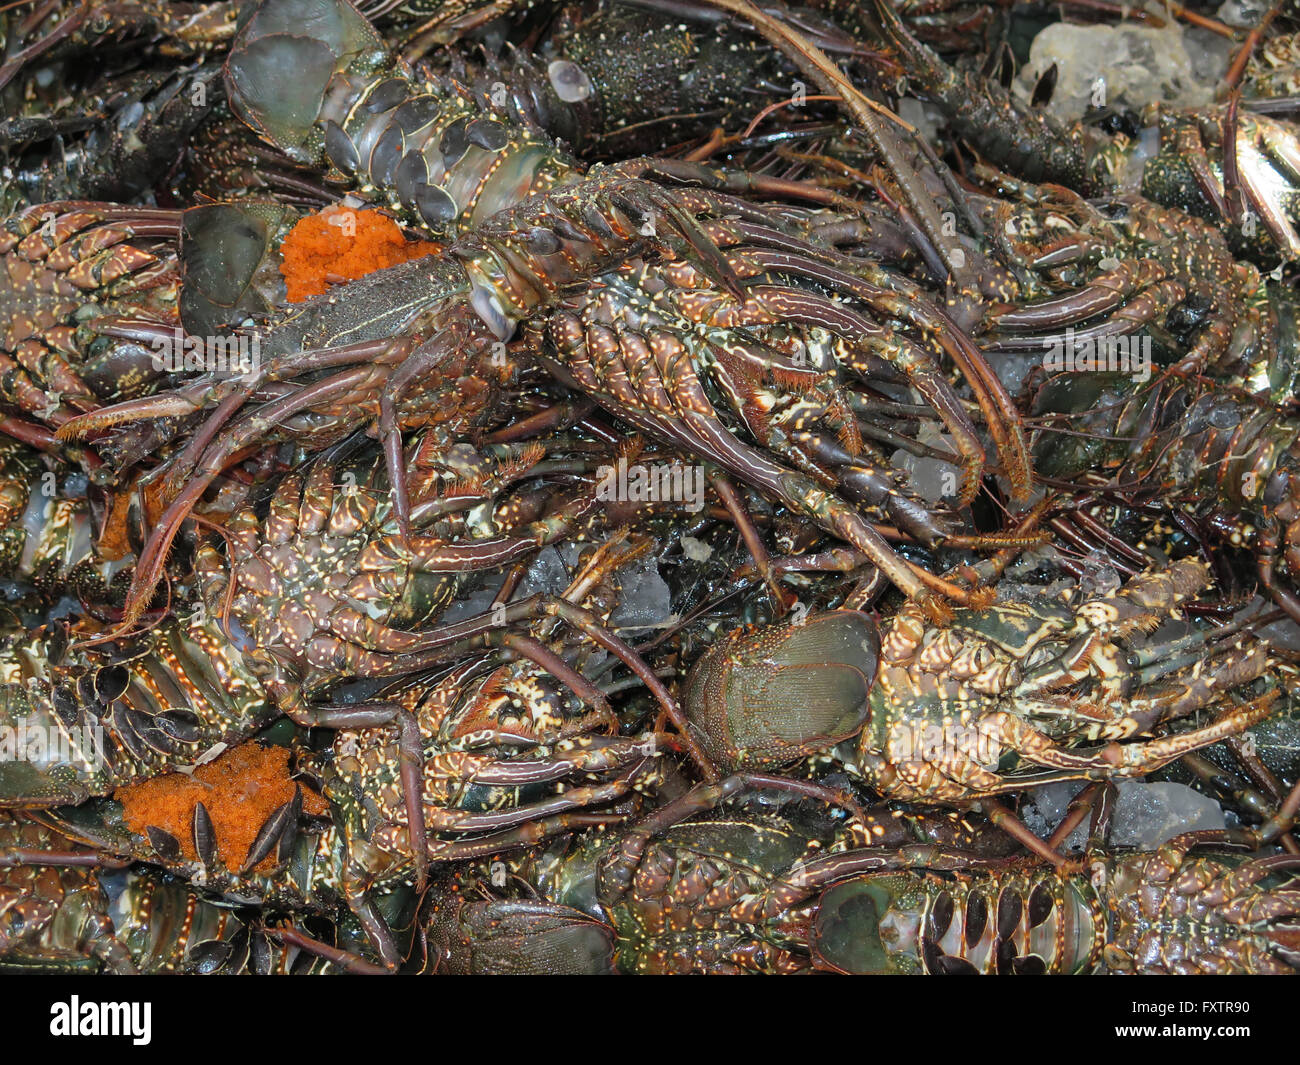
x=457 y=338
x=410 y=753
x=1102 y=294
x=1148 y=307
x=13 y=857
x=672 y=404
x=526 y=835
x=376 y=928
x=911 y=306
x=489 y=770
x=1077 y=810
x=1253 y=838
x=522 y=816
x=1019 y=831
x=152 y=557
x=958 y=776
x=65 y=29
x=587 y=622
x=1240 y=179
x=1133 y=759
x=1246 y=799
x=753 y=541
x=921 y=372
x=1283 y=596
x=1026 y=140
x=619 y=867
x=102 y=943
x=97 y=936
x=295 y=937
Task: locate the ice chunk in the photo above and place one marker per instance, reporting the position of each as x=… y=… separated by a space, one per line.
x=1043 y=809
x=1210 y=53
x=1149 y=814
x=646 y=599
x=1013 y=369
x=479 y=601
x=1099 y=577
x=548 y=574
x=1244 y=14
x=925 y=117
x=932 y=479
x=695 y=550
x=1108 y=66
x=1145 y=814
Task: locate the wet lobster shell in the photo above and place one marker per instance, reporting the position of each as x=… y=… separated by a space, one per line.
x=82 y=721
x=69 y=918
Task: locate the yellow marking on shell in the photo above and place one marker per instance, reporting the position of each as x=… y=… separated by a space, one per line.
x=972 y=659
x=1099 y=613
x=904 y=636
x=997 y=678
x=939 y=654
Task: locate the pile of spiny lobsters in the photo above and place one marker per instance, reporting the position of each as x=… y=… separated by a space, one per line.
x=524 y=487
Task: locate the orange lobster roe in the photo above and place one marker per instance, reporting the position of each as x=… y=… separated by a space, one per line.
x=240 y=789
x=341 y=244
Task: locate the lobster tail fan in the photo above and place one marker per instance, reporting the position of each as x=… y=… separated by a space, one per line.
x=284 y=58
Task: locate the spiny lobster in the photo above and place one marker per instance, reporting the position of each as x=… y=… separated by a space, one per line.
x=82 y=720
x=64 y=908
x=1223 y=164
x=435 y=319
x=934 y=712
x=1196 y=443
x=70 y=269
x=730 y=893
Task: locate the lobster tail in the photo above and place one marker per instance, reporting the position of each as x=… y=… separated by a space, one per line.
x=282 y=61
